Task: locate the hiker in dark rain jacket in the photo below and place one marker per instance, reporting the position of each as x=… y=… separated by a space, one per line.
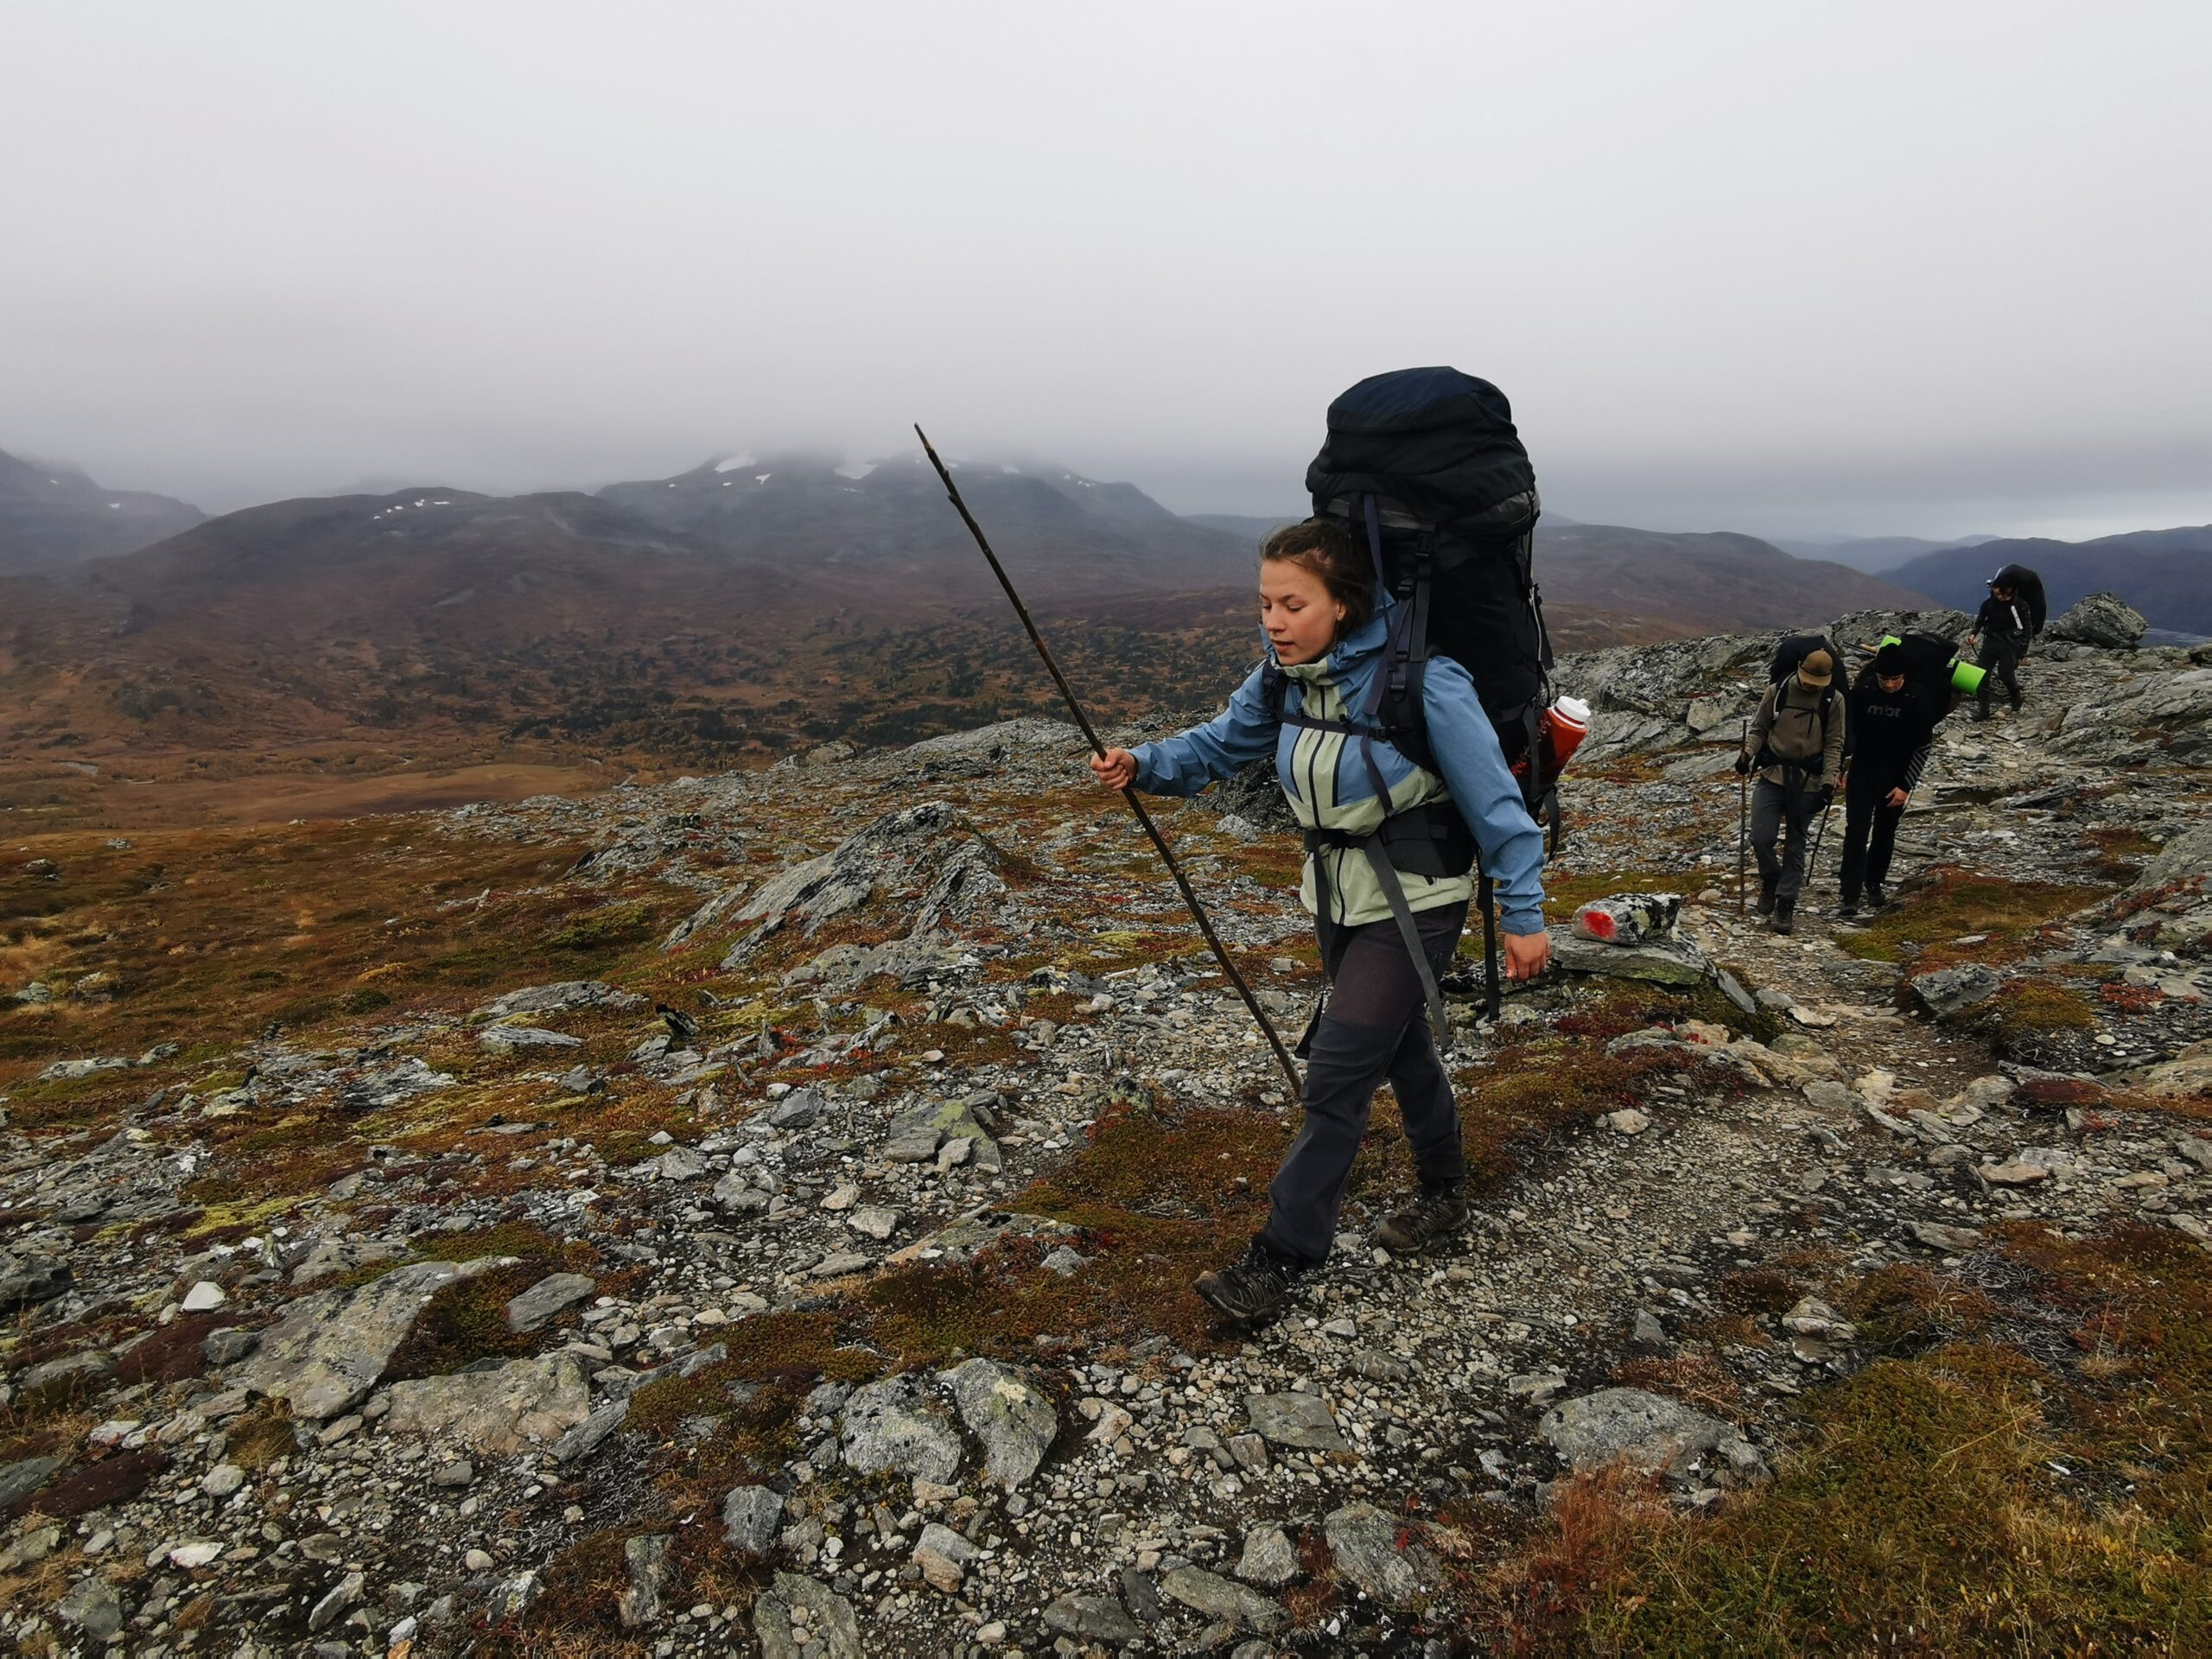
x=2005 y=627
x=1326 y=639
x=1892 y=723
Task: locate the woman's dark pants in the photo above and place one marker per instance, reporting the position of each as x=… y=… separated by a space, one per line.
x=1376 y=1027
x=1869 y=834
x=2001 y=661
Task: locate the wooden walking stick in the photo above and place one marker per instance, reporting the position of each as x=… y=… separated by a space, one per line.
x=1159 y=843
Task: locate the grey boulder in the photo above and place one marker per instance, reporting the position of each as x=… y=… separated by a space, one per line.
x=828 y=1631
x=1092 y=1618
x=27 y=1279
x=1950 y=991
x=2102 y=619
x=752 y=1517
x=895 y=1426
x=1005 y=1410
x=1364 y=1542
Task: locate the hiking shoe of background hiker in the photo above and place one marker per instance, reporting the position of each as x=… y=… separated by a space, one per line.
x=1253 y=1290
x=1847 y=910
x=1785 y=920
x=1876 y=898
x=1439 y=1213
x=1981 y=713
x=1765 y=905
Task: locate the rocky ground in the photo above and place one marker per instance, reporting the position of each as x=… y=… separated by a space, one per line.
x=812 y=1277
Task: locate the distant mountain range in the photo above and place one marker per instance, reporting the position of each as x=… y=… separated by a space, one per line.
x=51 y=515
x=748 y=604
x=1872 y=554
x=2164 y=573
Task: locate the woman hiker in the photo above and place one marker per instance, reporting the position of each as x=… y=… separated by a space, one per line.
x=1317 y=607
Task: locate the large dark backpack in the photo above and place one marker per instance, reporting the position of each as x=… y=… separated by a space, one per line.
x=1795 y=649
x=1929 y=660
x=2027 y=588
x=1425 y=467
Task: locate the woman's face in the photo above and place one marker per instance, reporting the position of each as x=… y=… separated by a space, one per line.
x=1297 y=612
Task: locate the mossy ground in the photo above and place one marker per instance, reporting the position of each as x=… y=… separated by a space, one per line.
x=1956 y=1495
x=1956 y=915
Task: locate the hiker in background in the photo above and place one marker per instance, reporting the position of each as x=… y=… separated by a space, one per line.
x=1326 y=643
x=1795 y=745
x=1889 y=728
x=2007 y=624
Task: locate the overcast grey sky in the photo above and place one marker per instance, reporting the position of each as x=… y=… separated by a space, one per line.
x=1932 y=268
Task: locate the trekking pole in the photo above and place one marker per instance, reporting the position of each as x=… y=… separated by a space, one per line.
x=1813 y=864
x=1189 y=898
x=1742 y=821
x=1491 y=991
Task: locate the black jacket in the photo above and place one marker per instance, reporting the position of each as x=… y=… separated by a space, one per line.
x=2003 y=622
x=1890 y=734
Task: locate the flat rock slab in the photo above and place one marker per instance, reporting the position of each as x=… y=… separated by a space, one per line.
x=1092 y=1618
x=330 y=1347
x=1938 y=1235
x=1224 y=1599
x=498 y=1413
x=587 y=1436
x=1371 y=1549
x=559 y=995
x=1005 y=1410
x=1647 y=1430
x=829 y=1631
x=897 y=1426
x=1674 y=962
x=20 y=1480
x=506 y=1038
x=547 y=1298
x=959 y=1239
x=1296 y=1420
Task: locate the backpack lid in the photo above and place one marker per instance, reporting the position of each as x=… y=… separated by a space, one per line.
x=1440 y=445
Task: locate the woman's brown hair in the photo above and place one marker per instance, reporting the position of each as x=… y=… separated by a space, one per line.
x=1331 y=552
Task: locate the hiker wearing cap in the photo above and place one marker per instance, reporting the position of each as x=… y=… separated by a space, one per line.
x=2004 y=627
x=1891 y=724
x=1795 y=746
x=1353 y=787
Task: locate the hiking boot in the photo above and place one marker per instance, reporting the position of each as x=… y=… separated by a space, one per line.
x=1253 y=1290
x=1980 y=711
x=1436 y=1214
x=1847 y=910
x=1765 y=905
x=1876 y=898
x=1785 y=919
